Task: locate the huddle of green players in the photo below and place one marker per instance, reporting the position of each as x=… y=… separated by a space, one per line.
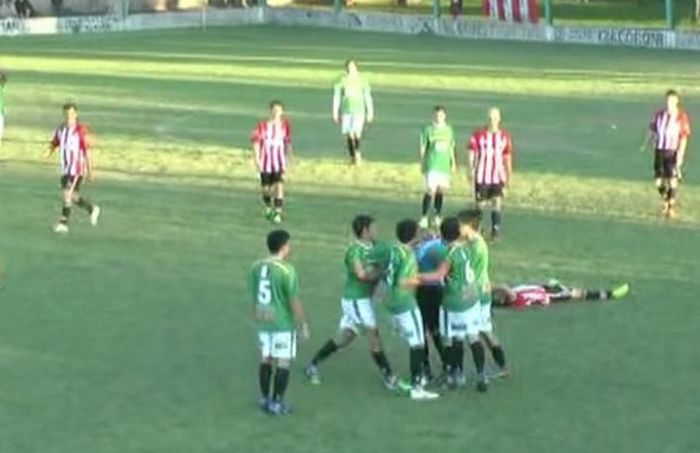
x=387 y=274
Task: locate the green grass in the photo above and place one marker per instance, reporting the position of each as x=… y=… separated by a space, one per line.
x=630 y=13
x=135 y=336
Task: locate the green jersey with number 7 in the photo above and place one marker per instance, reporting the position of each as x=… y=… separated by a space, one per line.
x=274 y=286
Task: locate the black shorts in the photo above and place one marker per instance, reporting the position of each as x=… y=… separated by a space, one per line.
x=486 y=192
x=268 y=179
x=429 y=299
x=665 y=164
x=67 y=182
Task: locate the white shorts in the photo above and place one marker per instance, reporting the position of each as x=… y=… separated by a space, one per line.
x=278 y=345
x=358 y=314
x=460 y=324
x=435 y=180
x=410 y=327
x=352 y=124
x=486 y=322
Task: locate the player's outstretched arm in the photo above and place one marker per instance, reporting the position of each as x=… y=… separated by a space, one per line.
x=436 y=276
x=363 y=274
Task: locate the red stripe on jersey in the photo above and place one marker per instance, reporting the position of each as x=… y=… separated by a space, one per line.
x=488 y=151
x=73 y=148
x=669 y=129
x=528 y=295
x=274 y=140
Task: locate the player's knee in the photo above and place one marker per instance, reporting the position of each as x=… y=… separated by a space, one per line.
x=345 y=337
x=472 y=339
x=659 y=183
x=267 y=360
x=673 y=183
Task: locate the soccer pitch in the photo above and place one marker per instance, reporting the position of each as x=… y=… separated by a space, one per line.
x=137 y=336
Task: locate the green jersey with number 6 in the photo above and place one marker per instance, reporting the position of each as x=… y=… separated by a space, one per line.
x=480 y=264
x=402 y=265
x=274 y=285
x=460 y=290
x=438 y=142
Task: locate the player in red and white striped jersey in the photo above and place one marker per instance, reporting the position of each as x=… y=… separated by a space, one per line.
x=542 y=295
x=272 y=153
x=491 y=166
x=71 y=139
x=669 y=130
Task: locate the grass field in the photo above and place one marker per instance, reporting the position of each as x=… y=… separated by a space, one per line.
x=135 y=336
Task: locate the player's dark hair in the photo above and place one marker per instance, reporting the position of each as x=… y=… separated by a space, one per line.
x=471 y=217
x=406 y=230
x=276 y=240
x=672 y=92
x=439 y=108
x=70 y=105
x=350 y=61
x=449 y=229
x=276 y=103
x=360 y=223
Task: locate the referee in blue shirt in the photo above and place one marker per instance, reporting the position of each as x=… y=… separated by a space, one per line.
x=430 y=252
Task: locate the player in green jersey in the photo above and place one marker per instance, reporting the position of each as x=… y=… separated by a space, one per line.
x=437 y=160
x=460 y=313
x=275 y=289
x=363 y=269
x=402 y=281
x=3 y=80
x=352 y=106
x=470 y=225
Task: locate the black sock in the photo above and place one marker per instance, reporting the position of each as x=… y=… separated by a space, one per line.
x=281 y=381
x=85 y=204
x=267 y=200
x=671 y=195
x=65 y=214
x=351 y=147
x=499 y=356
x=662 y=191
x=357 y=144
x=279 y=204
x=479 y=357
x=440 y=347
x=264 y=378
x=458 y=359
x=595 y=294
x=438 y=202
x=382 y=362
x=416 y=365
x=326 y=350
x=427 y=369
x=426 y=203
x=495 y=221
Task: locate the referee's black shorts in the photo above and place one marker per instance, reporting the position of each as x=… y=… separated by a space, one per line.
x=429 y=298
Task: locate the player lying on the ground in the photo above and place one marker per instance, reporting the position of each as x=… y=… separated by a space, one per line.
x=521 y=296
x=352 y=106
x=71 y=139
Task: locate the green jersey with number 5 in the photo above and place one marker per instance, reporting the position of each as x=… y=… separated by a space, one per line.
x=460 y=289
x=274 y=285
x=480 y=264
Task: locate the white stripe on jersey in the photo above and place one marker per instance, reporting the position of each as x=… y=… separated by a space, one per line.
x=71 y=151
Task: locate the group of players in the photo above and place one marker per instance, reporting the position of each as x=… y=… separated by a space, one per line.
x=433 y=286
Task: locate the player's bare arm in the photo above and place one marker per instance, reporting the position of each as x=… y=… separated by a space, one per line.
x=363 y=274
x=256 y=156
x=369 y=103
x=436 y=276
x=453 y=159
x=300 y=316
x=336 y=105
x=650 y=138
x=682 y=146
